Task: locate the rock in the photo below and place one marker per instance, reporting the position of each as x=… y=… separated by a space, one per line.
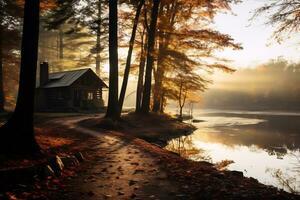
x=56 y=164
x=79 y=156
x=48 y=171
x=70 y=161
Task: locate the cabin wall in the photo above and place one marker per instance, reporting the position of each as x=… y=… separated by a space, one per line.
x=53 y=99
x=87 y=98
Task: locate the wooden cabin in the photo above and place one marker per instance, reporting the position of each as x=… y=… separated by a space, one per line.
x=69 y=90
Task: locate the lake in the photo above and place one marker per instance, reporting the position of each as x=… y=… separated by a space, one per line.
x=263 y=145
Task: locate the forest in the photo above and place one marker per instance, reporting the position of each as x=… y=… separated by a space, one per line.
x=67 y=68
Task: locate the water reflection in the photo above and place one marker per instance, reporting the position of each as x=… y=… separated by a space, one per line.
x=185 y=148
x=284 y=180
x=275 y=134
x=266 y=147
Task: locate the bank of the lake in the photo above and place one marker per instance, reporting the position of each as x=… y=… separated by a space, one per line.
x=262 y=144
x=200 y=179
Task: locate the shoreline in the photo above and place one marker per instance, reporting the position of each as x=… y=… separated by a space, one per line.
x=154 y=128
x=199 y=172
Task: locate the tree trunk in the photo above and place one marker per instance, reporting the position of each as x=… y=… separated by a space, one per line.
x=180 y=100
x=112 y=109
x=140 y=83
x=98 y=44
x=164 y=40
x=150 y=58
x=1 y=70
x=162 y=102
x=158 y=73
x=61 y=43
x=18 y=133
x=180 y=112
x=159 y=78
x=130 y=50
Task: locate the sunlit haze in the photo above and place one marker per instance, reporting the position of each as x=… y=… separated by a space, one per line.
x=255 y=37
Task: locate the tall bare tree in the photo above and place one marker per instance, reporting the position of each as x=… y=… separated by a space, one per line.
x=130 y=50
x=113 y=103
x=140 y=83
x=150 y=58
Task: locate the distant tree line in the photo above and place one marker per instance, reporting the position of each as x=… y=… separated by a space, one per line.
x=274 y=85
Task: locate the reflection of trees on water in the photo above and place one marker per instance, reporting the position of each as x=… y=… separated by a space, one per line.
x=286 y=181
x=279 y=152
x=274 y=143
x=185 y=148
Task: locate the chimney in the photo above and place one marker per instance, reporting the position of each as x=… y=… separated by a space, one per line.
x=44 y=73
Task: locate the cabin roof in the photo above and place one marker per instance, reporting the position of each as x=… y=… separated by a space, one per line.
x=66 y=78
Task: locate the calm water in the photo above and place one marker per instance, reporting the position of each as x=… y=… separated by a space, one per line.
x=263 y=145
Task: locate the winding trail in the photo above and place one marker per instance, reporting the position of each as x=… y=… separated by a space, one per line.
x=119 y=170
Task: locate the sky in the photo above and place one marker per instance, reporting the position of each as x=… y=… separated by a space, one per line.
x=254 y=36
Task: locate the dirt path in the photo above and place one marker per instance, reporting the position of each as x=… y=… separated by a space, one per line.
x=119 y=170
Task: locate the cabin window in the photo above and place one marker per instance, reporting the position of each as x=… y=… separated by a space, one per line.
x=90 y=96
x=98 y=95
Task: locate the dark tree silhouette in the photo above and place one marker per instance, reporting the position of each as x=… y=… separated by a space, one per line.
x=130 y=50
x=98 y=40
x=150 y=58
x=113 y=106
x=1 y=70
x=140 y=83
x=17 y=135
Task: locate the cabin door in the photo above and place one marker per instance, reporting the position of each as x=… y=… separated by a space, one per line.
x=77 y=98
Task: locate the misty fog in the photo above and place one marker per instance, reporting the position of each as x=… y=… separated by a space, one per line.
x=271 y=86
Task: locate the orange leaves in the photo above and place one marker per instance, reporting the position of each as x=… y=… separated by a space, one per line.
x=47 y=142
x=44 y=4
x=48 y=4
